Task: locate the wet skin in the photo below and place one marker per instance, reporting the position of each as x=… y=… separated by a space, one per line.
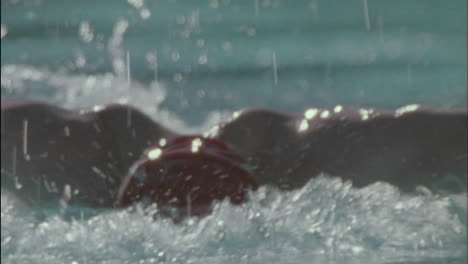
x=188 y=173
x=45 y=148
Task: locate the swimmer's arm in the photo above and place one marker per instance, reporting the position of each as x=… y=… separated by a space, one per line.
x=133 y=131
x=88 y=150
x=44 y=148
x=354 y=143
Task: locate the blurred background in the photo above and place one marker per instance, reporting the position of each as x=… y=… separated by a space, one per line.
x=191 y=60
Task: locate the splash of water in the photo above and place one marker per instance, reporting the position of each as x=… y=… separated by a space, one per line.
x=327 y=220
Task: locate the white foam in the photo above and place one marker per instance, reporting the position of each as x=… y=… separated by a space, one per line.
x=87 y=91
x=327 y=221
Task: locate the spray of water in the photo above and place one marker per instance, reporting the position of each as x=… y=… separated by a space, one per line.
x=327 y=221
x=71 y=90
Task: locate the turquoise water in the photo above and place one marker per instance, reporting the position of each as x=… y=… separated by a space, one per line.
x=189 y=64
x=219 y=54
x=327 y=221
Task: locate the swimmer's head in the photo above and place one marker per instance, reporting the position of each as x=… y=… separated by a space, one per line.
x=189 y=172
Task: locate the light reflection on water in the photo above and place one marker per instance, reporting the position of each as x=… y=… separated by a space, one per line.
x=327 y=221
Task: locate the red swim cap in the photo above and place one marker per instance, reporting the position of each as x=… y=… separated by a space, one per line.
x=191 y=171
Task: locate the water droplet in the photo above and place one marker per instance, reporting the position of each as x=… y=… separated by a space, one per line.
x=214 y=4
x=177 y=77
x=251 y=32
x=66 y=130
x=337 y=109
x=310 y=113
x=227 y=46
x=145 y=13
x=325 y=114
x=3 y=30
x=18 y=185
x=303 y=126
x=175 y=56
x=200 y=43
x=85 y=32
x=203 y=59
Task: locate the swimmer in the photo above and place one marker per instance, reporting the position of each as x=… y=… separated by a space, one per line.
x=100 y=157
x=189 y=173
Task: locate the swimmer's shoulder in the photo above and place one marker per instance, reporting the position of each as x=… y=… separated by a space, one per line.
x=41 y=112
x=114 y=114
x=256 y=118
x=255 y=127
x=132 y=123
